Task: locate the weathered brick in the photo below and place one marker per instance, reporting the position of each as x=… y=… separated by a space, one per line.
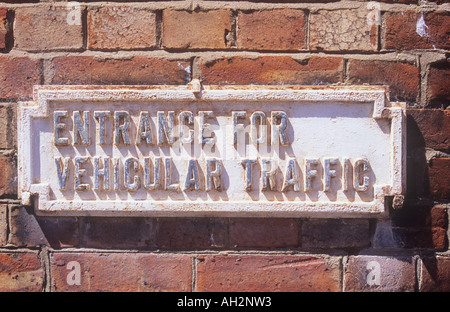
x=379 y=273
x=402 y=78
x=407 y=30
x=433 y=129
x=268 y=233
x=48 y=28
x=3 y=224
x=3 y=29
x=342 y=30
x=118 y=233
x=123 y=272
x=267 y=273
x=60 y=232
x=191 y=233
x=273 y=70
x=121 y=27
x=20 y=272
x=435 y=272
x=256 y=29
x=138 y=70
x=439 y=179
x=25 y=231
x=196 y=30
x=18 y=75
x=331 y=233
x=438 y=93
x=8 y=176
x=7 y=126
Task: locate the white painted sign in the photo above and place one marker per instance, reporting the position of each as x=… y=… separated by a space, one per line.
x=211 y=151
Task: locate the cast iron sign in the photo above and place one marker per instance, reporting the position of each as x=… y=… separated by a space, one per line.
x=210 y=151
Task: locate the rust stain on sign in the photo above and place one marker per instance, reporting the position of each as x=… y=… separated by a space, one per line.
x=210 y=151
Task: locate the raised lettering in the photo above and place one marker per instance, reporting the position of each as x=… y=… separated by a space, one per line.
x=169 y=186
x=165 y=128
x=132 y=182
x=248 y=163
x=62 y=172
x=186 y=115
x=81 y=128
x=279 y=125
x=144 y=131
x=268 y=174
x=310 y=173
x=192 y=181
x=101 y=173
x=156 y=174
x=58 y=127
x=80 y=172
x=290 y=176
x=329 y=173
x=101 y=130
x=213 y=173
x=360 y=177
x=121 y=129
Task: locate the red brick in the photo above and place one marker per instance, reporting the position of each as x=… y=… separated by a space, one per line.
x=122 y=272
x=438 y=81
x=267 y=273
x=8 y=176
x=47 y=28
x=330 y=233
x=435 y=274
x=268 y=233
x=402 y=78
x=20 y=272
x=401 y=31
x=18 y=75
x=273 y=70
x=7 y=126
x=256 y=29
x=196 y=30
x=127 y=233
x=439 y=179
x=121 y=27
x=190 y=233
x=433 y=127
x=3 y=29
x=379 y=274
x=138 y=70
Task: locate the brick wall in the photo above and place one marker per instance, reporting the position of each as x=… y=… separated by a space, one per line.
x=403 y=44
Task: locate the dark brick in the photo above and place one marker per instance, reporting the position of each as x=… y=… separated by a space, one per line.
x=191 y=233
x=118 y=233
x=331 y=233
x=268 y=233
